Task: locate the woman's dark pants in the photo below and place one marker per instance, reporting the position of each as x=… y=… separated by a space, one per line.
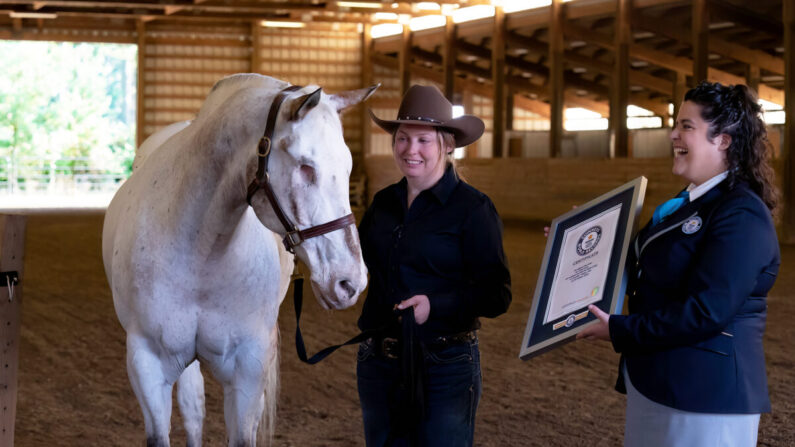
x=452 y=391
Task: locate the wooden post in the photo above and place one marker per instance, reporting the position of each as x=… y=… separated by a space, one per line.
x=498 y=79
x=449 y=58
x=140 y=28
x=256 y=46
x=467 y=101
x=619 y=93
x=405 y=61
x=788 y=161
x=12 y=249
x=700 y=39
x=556 y=78
x=680 y=88
x=367 y=80
x=753 y=77
x=510 y=104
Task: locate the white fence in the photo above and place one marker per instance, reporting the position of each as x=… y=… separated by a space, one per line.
x=61 y=175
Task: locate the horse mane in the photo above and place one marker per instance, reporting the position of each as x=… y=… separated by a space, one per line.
x=227 y=86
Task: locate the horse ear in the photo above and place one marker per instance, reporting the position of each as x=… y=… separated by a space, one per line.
x=304 y=104
x=344 y=100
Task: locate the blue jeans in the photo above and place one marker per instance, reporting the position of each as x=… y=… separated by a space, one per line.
x=452 y=391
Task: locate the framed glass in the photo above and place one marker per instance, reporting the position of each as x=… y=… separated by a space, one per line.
x=583 y=264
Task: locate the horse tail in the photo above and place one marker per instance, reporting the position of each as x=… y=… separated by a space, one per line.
x=271 y=396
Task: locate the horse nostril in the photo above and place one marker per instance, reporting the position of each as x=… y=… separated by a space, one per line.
x=347 y=288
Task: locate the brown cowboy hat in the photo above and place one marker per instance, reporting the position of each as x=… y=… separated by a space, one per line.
x=427 y=106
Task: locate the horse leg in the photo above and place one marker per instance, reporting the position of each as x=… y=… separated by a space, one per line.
x=190 y=395
x=245 y=397
x=152 y=387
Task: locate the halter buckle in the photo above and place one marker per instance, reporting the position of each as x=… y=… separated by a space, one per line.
x=292 y=239
x=264 y=147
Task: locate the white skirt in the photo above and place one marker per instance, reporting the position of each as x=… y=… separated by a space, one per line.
x=649 y=424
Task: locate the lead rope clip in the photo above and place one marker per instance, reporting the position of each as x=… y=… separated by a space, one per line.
x=10 y=285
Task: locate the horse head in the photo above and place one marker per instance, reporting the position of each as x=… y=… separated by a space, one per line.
x=309 y=170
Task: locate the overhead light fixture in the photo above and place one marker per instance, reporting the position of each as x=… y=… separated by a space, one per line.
x=385 y=16
x=426 y=22
x=428 y=6
x=32 y=15
x=370 y=5
x=473 y=13
x=385 y=29
x=275 y=24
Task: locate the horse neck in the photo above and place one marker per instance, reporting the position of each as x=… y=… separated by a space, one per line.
x=215 y=189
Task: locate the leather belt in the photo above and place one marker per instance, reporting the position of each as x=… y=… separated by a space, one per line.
x=389 y=347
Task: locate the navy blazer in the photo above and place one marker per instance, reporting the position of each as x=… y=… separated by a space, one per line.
x=697 y=286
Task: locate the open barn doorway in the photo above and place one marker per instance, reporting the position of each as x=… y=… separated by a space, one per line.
x=67 y=123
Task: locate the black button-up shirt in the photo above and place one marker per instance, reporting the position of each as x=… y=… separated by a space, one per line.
x=447 y=245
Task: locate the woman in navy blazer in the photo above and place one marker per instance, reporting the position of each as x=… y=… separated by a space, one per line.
x=692 y=362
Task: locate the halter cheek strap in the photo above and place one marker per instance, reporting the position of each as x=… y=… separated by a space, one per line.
x=294 y=236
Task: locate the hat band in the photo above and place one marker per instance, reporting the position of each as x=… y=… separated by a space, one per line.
x=418 y=118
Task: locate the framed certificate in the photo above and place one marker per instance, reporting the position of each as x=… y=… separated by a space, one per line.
x=583 y=264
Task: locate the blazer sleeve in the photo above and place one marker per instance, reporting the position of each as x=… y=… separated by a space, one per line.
x=486 y=289
x=741 y=244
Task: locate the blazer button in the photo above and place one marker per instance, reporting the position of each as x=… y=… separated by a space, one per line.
x=634 y=292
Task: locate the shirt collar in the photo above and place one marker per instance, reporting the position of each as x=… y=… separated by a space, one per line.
x=698 y=191
x=445 y=186
x=441 y=190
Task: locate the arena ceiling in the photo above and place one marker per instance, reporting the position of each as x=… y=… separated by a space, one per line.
x=745 y=43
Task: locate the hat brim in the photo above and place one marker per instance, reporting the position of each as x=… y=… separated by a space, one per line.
x=466 y=129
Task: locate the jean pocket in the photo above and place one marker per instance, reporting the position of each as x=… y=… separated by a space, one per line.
x=451 y=354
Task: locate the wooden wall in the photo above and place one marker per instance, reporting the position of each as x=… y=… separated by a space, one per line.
x=544 y=188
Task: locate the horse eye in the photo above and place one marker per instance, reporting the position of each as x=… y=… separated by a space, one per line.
x=308 y=173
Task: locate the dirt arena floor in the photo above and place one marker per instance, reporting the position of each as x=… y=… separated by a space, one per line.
x=74 y=389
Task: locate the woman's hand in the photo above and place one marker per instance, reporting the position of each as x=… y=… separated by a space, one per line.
x=421 y=305
x=599 y=331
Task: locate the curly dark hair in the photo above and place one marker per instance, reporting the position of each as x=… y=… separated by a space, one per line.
x=735 y=111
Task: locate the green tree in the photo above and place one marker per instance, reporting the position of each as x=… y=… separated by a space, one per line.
x=66 y=100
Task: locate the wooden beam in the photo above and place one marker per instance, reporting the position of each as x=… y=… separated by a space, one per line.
x=555 y=82
x=256 y=46
x=367 y=80
x=140 y=28
x=680 y=88
x=449 y=58
x=753 y=76
x=531 y=105
x=700 y=40
x=404 y=71
x=619 y=87
x=788 y=182
x=748 y=17
x=671 y=62
x=670 y=29
x=498 y=83
x=461 y=85
x=12 y=255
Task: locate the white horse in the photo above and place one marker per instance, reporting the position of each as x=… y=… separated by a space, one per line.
x=198 y=275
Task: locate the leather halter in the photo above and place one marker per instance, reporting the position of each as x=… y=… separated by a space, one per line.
x=294 y=236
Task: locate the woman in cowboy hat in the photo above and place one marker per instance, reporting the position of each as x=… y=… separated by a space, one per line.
x=433 y=246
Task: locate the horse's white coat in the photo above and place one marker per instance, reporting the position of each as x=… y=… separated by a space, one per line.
x=198 y=274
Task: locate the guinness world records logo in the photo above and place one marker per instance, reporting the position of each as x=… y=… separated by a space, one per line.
x=589 y=239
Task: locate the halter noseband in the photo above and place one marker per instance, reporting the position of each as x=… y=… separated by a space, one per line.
x=294 y=236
